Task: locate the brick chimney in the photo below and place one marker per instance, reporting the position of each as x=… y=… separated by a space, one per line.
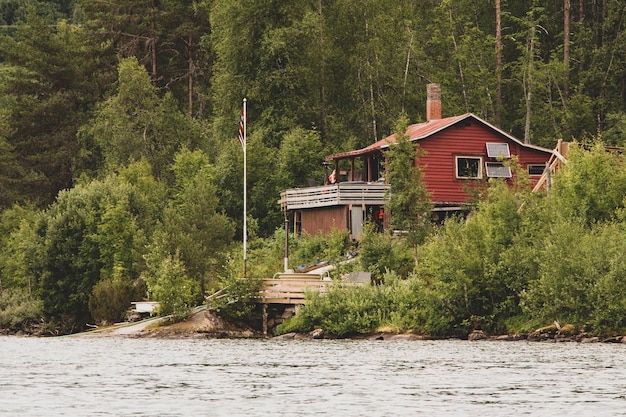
x=433 y=102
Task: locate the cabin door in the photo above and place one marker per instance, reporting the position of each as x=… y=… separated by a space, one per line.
x=356 y=216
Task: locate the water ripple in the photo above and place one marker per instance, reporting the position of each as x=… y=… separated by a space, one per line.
x=135 y=377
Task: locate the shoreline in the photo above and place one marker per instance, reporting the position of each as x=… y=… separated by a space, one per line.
x=202 y=324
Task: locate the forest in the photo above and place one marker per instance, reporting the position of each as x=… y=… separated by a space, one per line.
x=121 y=173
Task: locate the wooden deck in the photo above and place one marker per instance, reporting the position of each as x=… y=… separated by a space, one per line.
x=343 y=193
x=291 y=288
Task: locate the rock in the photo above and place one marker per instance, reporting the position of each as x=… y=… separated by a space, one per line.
x=563 y=338
x=511 y=337
x=581 y=336
x=247 y=334
x=624 y=339
x=614 y=339
x=539 y=337
x=567 y=330
x=377 y=337
x=408 y=336
x=590 y=340
x=477 y=335
x=544 y=334
x=286 y=336
x=317 y=334
x=551 y=330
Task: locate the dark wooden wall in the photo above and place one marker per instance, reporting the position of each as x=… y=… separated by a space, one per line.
x=324 y=219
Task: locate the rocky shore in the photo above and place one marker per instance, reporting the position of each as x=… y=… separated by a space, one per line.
x=550 y=334
x=474 y=336
x=200 y=324
x=205 y=324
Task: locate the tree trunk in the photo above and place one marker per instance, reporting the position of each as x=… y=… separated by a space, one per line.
x=191 y=72
x=406 y=68
x=499 y=64
x=153 y=42
x=529 y=82
x=322 y=91
x=373 y=108
x=371 y=88
x=581 y=12
x=461 y=75
x=566 y=49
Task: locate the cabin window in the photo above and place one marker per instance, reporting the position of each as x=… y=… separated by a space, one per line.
x=498 y=170
x=469 y=167
x=535 y=170
x=498 y=150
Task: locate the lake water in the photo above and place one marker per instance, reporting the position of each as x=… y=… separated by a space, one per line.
x=184 y=377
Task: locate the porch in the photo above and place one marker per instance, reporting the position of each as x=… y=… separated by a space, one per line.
x=340 y=206
x=340 y=194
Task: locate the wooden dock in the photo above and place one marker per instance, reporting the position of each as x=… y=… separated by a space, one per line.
x=286 y=292
x=289 y=290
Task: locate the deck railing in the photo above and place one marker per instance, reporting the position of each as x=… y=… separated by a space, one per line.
x=334 y=194
x=291 y=290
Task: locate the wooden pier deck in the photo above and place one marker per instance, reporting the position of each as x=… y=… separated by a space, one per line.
x=289 y=290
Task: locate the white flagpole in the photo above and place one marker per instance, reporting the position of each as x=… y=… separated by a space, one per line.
x=245 y=189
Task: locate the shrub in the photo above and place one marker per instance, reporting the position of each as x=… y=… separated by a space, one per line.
x=235 y=304
x=381 y=252
x=111 y=298
x=172 y=288
x=340 y=311
x=402 y=305
x=18 y=310
x=578 y=285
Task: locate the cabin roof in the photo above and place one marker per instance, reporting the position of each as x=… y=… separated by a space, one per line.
x=424 y=130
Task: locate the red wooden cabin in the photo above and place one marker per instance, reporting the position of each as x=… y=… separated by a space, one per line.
x=459 y=153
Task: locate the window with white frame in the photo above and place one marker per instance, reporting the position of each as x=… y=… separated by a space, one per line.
x=469 y=167
x=497 y=170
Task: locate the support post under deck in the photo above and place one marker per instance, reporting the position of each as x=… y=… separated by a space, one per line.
x=264 y=319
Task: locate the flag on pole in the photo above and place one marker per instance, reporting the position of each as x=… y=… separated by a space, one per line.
x=242 y=140
x=332 y=178
x=242 y=121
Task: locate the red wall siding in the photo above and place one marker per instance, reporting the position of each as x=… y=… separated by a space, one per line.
x=464 y=139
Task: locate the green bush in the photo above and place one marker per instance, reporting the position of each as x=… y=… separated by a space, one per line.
x=581 y=277
x=18 y=310
x=111 y=299
x=591 y=187
x=172 y=288
x=397 y=305
x=477 y=266
x=235 y=302
x=309 y=249
x=382 y=252
x=340 y=311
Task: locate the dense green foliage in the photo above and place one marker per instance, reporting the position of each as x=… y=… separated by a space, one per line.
x=121 y=175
